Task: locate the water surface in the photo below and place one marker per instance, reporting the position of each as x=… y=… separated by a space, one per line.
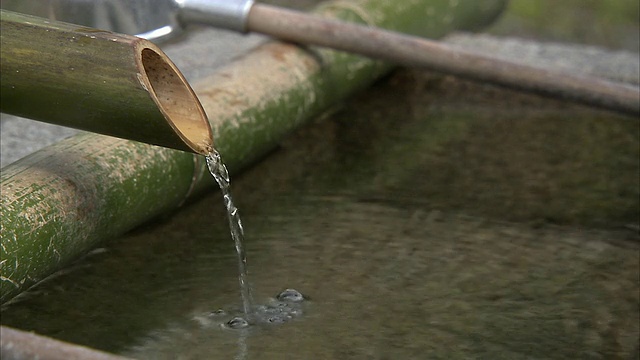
x=446 y=227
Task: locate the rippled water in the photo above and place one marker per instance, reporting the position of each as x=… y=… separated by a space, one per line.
x=381 y=281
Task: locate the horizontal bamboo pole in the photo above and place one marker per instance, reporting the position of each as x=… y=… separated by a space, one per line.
x=95 y=80
x=418 y=52
x=20 y=345
x=61 y=201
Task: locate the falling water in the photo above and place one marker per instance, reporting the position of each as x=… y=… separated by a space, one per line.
x=286 y=305
x=221 y=175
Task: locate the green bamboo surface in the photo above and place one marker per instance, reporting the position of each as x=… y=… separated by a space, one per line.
x=93 y=80
x=60 y=202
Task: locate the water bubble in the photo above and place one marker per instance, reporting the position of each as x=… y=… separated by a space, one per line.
x=218 y=313
x=274 y=310
x=290 y=295
x=295 y=312
x=279 y=319
x=276 y=314
x=237 y=323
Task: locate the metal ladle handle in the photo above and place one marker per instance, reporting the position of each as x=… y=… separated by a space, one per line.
x=243 y=16
x=225 y=14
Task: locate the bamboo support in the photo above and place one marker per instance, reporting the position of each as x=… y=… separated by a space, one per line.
x=61 y=201
x=99 y=81
x=18 y=345
x=432 y=55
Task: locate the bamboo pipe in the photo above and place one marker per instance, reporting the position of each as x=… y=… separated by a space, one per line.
x=61 y=201
x=99 y=81
x=18 y=345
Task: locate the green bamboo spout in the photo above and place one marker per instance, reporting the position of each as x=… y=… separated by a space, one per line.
x=99 y=81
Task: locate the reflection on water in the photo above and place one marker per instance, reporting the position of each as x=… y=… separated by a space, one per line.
x=400 y=232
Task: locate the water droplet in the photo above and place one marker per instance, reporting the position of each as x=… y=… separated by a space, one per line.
x=290 y=295
x=237 y=323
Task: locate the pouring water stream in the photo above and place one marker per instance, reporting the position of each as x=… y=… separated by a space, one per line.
x=286 y=306
x=220 y=173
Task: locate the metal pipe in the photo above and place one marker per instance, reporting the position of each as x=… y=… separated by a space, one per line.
x=225 y=14
x=99 y=81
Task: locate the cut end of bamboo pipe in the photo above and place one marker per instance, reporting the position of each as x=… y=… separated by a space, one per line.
x=174 y=97
x=108 y=83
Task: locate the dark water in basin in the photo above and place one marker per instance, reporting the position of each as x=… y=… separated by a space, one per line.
x=382 y=283
x=407 y=240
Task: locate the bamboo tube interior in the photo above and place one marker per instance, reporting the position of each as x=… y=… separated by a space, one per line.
x=177 y=101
